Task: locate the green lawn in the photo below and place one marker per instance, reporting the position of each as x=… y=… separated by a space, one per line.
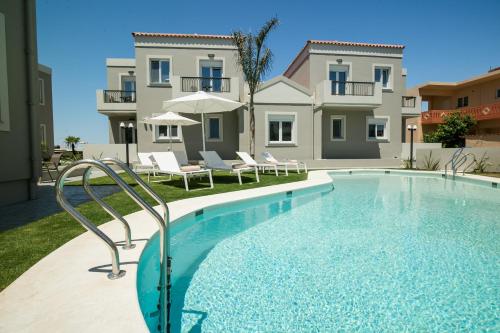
x=24 y=246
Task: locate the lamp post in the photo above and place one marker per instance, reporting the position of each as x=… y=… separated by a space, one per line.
x=126 y=130
x=411 y=128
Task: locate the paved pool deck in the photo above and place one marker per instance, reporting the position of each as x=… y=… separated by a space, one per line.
x=68 y=291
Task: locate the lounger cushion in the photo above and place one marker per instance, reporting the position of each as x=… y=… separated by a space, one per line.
x=240 y=166
x=292 y=161
x=188 y=168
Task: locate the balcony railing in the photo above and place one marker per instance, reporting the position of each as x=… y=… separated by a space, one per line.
x=119 y=96
x=482 y=112
x=408 y=101
x=209 y=84
x=352 y=88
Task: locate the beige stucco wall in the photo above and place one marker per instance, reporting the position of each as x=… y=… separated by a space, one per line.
x=113 y=76
x=184 y=62
x=303 y=149
x=302 y=74
x=19 y=146
x=356 y=146
x=45 y=115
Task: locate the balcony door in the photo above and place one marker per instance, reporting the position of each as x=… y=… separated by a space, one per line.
x=128 y=88
x=338 y=75
x=211 y=73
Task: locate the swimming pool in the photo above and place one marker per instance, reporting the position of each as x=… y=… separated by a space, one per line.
x=380 y=252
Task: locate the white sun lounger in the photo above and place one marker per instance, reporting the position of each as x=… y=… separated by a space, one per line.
x=286 y=163
x=248 y=160
x=146 y=164
x=167 y=163
x=213 y=161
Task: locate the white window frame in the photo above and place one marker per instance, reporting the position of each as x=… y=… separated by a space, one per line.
x=4 y=83
x=269 y=117
x=378 y=120
x=343 y=128
x=41 y=90
x=148 y=66
x=390 y=82
x=198 y=64
x=343 y=63
x=157 y=138
x=207 y=127
x=43 y=134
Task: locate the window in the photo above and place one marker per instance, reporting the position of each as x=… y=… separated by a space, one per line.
x=281 y=129
x=377 y=128
x=167 y=132
x=498 y=93
x=159 y=71
x=41 y=84
x=462 y=101
x=4 y=91
x=337 y=128
x=43 y=134
x=383 y=75
x=213 y=128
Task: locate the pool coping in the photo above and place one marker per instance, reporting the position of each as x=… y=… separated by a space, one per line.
x=60 y=293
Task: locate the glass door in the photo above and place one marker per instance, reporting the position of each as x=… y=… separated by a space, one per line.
x=211 y=75
x=338 y=75
x=128 y=88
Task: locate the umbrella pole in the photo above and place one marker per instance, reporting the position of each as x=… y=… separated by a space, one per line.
x=203 y=130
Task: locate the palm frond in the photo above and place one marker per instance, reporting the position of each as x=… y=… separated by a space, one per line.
x=264 y=31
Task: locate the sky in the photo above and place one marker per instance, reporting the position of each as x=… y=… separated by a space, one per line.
x=445 y=40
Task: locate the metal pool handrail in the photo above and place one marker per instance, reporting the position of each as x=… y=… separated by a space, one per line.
x=128 y=237
x=452 y=161
x=163 y=223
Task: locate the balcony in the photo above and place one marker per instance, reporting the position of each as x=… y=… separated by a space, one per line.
x=116 y=102
x=411 y=105
x=208 y=84
x=482 y=112
x=349 y=94
x=226 y=87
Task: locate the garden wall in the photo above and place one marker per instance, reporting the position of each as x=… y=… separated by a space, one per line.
x=99 y=151
x=445 y=154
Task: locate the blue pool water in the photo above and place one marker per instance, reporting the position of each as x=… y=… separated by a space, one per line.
x=378 y=253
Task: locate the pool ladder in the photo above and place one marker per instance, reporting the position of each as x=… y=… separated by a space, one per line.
x=164 y=287
x=456 y=161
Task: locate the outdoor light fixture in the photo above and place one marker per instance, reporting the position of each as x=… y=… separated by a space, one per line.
x=131 y=73
x=211 y=55
x=411 y=128
x=339 y=61
x=125 y=132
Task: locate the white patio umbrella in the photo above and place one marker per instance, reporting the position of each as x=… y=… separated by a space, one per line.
x=170 y=119
x=201 y=102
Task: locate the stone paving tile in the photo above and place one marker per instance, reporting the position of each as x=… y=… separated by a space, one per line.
x=19 y=214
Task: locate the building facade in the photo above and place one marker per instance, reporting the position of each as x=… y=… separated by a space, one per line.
x=21 y=112
x=336 y=100
x=478 y=97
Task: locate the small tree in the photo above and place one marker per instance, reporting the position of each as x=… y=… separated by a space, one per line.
x=71 y=142
x=255 y=60
x=453 y=131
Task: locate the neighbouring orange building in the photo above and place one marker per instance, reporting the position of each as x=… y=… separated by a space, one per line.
x=478 y=96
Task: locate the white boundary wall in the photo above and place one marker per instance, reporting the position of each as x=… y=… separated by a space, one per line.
x=99 y=151
x=445 y=154
x=405 y=153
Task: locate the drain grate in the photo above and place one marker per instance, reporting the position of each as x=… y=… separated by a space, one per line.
x=198 y=212
x=494 y=185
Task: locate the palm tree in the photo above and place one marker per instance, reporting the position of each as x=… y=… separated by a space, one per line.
x=71 y=142
x=255 y=60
